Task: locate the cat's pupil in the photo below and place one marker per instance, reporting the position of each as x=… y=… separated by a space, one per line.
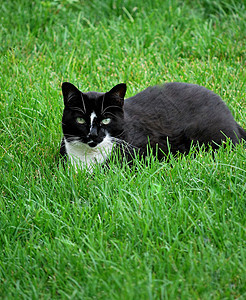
x=80 y=120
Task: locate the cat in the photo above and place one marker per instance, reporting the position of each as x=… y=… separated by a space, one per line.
x=165 y=118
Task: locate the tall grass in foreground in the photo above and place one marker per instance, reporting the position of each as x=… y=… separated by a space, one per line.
x=164 y=230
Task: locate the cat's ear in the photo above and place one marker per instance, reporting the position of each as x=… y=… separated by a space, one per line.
x=70 y=93
x=118 y=92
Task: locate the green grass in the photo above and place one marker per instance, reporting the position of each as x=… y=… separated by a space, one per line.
x=171 y=230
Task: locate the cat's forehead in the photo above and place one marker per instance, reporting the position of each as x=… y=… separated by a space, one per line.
x=93 y=101
x=93 y=96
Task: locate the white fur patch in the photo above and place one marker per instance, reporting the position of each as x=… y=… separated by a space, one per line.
x=93 y=115
x=83 y=156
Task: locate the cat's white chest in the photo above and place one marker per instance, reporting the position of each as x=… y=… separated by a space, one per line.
x=83 y=156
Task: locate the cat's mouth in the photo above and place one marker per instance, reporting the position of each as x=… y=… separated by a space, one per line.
x=92 y=143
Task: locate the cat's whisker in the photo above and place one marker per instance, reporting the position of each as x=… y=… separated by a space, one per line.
x=79 y=109
x=123 y=143
x=70 y=135
x=83 y=102
x=111 y=114
x=72 y=138
x=111 y=106
x=102 y=104
x=122 y=133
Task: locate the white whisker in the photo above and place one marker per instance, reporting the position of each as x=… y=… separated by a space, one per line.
x=83 y=103
x=124 y=144
x=78 y=109
x=111 y=114
x=102 y=104
x=111 y=106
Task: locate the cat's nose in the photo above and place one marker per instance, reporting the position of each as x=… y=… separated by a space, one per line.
x=93 y=133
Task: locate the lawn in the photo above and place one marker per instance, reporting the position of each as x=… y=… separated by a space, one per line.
x=160 y=230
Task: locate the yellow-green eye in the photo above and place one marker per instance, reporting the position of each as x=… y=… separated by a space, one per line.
x=80 y=120
x=106 y=121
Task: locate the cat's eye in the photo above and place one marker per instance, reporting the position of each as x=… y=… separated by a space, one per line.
x=106 y=121
x=80 y=120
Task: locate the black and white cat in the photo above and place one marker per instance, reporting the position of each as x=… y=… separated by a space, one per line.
x=167 y=118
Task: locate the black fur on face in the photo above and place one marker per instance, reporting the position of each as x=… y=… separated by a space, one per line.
x=90 y=117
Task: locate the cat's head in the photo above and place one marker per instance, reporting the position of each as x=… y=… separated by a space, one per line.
x=92 y=116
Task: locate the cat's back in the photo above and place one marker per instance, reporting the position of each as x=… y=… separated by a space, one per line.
x=180 y=109
x=178 y=93
x=176 y=100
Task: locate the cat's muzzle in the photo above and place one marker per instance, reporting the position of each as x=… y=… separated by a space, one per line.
x=92 y=143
